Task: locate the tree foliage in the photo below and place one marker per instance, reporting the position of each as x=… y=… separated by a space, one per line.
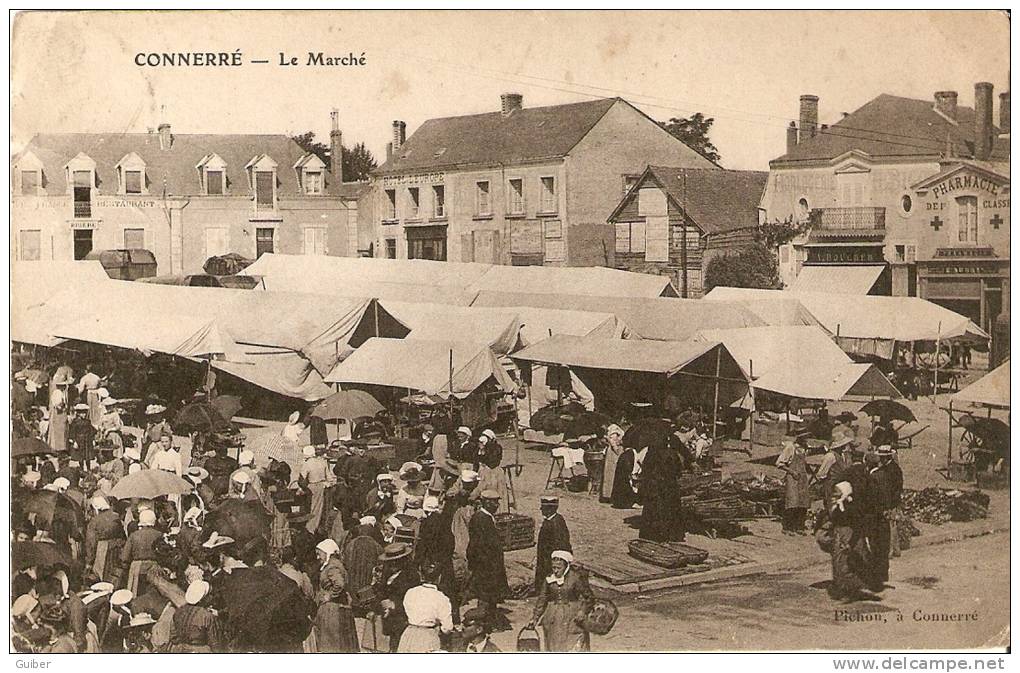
x=693 y=131
x=755 y=266
x=776 y=233
x=357 y=162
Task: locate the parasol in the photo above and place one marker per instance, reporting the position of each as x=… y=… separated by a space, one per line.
x=890 y=409
x=51 y=507
x=265 y=610
x=647 y=432
x=28 y=554
x=149 y=484
x=347 y=404
x=29 y=446
x=227 y=405
x=226 y=265
x=200 y=416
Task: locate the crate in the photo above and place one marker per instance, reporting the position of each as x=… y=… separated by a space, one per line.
x=516 y=531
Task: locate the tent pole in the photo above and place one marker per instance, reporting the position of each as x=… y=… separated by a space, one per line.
x=451 y=385
x=750 y=416
x=938 y=346
x=715 y=405
x=949 y=449
x=375 y=311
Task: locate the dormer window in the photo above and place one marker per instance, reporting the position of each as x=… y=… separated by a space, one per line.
x=310 y=170
x=80 y=174
x=262 y=181
x=212 y=171
x=27 y=173
x=131 y=174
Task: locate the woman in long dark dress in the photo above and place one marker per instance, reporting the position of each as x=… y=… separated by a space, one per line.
x=624 y=495
x=661 y=518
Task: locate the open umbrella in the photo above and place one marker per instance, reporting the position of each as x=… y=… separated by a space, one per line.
x=50 y=507
x=28 y=554
x=225 y=265
x=227 y=405
x=150 y=484
x=265 y=610
x=200 y=416
x=890 y=409
x=29 y=446
x=647 y=432
x=347 y=404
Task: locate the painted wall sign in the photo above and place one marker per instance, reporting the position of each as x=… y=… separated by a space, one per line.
x=413 y=179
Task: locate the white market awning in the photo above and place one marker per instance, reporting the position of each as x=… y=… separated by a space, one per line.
x=837 y=279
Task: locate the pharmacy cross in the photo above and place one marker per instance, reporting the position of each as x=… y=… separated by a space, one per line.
x=995 y=221
x=937 y=222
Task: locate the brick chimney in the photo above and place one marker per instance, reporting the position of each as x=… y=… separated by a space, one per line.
x=791 y=137
x=1004 y=113
x=510 y=103
x=165 y=139
x=399 y=135
x=945 y=103
x=808 y=116
x=389 y=152
x=336 y=145
x=982 y=120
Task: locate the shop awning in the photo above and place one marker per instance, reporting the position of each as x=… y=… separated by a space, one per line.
x=422 y=365
x=991 y=390
x=837 y=279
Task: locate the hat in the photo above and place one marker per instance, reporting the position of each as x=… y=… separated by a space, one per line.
x=196 y=592
x=428 y=427
x=98 y=590
x=121 y=597
x=841 y=443
x=328 y=546
x=192 y=514
x=885 y=450
x=133 y=453
x=135 y=467
x=146 y=518
x=412 y=475
x=394 y=551
x=216 y=540
x=246 y=457
x=430 y=504
x=465 y=430
x=61 y=482
x=142 y=619
x=489 y=433
x=24 y=604
x=31 y=477
x=240 y=477
x=102 y=393
x=81 y=407
x=109 y=402
x=394 y=521
x=384 y=476
x=408 y=466
x=549 y=500
x=294 y=417
x=475 y=616
x=308 y=452
x=489 y=494
x=468 y=476
x=153 y=409
x=563 y=555
x=99 y=503
x=197 y=474
x=368 y=520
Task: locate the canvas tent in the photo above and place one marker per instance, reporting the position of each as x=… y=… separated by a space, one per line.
x=32 y=283
x=660 y=319
x=991 y=390
x=777 y=309
x=181 y=335
x=800 y=362
x=422 y=365
x=857 y=280
x=593 y=280
x=276 y=270
x=496 y=327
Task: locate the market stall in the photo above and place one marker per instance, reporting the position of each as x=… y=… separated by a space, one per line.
x=984 y=442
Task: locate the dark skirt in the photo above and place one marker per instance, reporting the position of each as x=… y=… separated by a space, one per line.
x=334 y=629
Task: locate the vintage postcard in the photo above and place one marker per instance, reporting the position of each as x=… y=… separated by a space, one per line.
x=510 y=331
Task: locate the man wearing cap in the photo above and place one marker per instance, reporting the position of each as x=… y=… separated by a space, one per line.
x=885 y=484
x=485 y=559
x=155 y=426
x=476 y=631
x=196 y=628
x=379 y=500
x=396 y=578
x=553 y=535
x=139 y=553
x=106 y=530
x=80 y=433
x=314 y=477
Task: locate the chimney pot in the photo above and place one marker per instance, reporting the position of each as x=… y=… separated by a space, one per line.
x=983 y=120
x=165 y=139
x=389 y=152
x=791 y=137
x=510 y=103
x=1004 y=113
x=945 y=102
x=399 y=135
x=808 y=116
x=336 y=147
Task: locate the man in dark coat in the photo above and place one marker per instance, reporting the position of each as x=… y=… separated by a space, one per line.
x=435 y=547
x=485 y=560
x=105 y=525
x=81 y=434
x=220 y=466
x=661 y=517
x=552 y=536
x=886 y=486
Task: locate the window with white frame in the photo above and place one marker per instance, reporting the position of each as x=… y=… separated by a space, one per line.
x=310 y=170
x=214 y=182
x=262 y=181
x=438 y=201
x=131 y=174
x=414 y=202
x=390 y=205
x=313 y=182
x=967 y=222
x=213 y=175
x=515 y=196
x=548 y=197
x=315 y=241
x=483 y=204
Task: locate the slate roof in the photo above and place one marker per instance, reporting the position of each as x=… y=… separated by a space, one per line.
x=717 y=200
x=491 y=138
x=175 y=165
x=895 y=126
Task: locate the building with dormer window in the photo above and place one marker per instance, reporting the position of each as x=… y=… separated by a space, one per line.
x=183 y=197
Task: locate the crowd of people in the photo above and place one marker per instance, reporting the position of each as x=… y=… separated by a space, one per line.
x=349 y=556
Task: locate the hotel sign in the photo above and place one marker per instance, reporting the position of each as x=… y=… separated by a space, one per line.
x=414 y=179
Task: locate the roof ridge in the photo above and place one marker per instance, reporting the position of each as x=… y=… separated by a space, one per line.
x=523 y=109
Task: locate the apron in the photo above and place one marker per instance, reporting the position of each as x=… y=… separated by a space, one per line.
x=797 y=491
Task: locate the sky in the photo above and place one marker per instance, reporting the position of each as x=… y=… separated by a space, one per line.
x=76 y=71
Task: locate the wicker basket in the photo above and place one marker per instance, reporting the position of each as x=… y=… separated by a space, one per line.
x=655 y=553
x=691 y=555
x=516 y=531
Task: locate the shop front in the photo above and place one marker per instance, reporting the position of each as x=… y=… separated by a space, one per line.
x=972 y=282
x=426 y=242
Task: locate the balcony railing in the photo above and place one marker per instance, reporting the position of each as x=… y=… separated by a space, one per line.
x=83 y=209
x=848 y=218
